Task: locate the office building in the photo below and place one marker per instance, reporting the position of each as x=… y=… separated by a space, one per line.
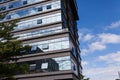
x=50 y=27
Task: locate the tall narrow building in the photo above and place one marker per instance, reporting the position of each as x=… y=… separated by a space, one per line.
x=50 y=27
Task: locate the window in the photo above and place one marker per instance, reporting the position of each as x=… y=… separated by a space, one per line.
x=10 y=6
x=48 y=6
x=3 y=8
x=74 y=68
x=33 y=48
x=64 y=62
x=44 y=66
x=24 y=2
x=36 y=49
x=3 y=0
x=39 y=21
x=39 y=9
x=45 y=46
x=32 y=67
x=8 y=17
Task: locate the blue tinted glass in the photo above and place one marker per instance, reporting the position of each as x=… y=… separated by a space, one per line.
x=11 y=6
x=3 y=8
x=22 y=13
x=17 y=4
x=48 y=6
x=24 y=2
x=33 y=48
x=27 y=11
x=3 y=0
x=39 y=21
x=40 y=9
x=8 y=17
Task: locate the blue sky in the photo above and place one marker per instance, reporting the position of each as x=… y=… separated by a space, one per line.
x=99 y=35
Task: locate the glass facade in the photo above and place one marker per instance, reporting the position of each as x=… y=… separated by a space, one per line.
x=39 y=32
x=50 y=64
x=51 y=45
x=74 y=66
x=32 y=10
x=56 y=16
x=17 y=3
x=3 y=0
x=38 y=21
x=64 y=62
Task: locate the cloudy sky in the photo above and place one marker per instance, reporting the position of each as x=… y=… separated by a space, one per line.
x=99 y=36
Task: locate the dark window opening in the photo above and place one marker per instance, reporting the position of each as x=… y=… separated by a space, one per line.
x=32 y=67
x=3 y=8
x=11 y=6
x=49 y=7
x=74 y=68
x=40 y=9
x=8 y=17
x=24 y=2
x=39 y=21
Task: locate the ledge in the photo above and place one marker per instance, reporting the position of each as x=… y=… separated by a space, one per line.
x=66 y=72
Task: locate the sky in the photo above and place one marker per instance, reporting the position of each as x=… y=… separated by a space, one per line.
x=99 y=36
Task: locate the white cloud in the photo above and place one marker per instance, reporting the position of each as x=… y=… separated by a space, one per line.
x=82 y=33
x=112 y=57
x=84 y=51
x=114 y=25
x=102 y=73
x=99 y=42
x=84 y=63
x=80 y=36
x=88 y=37
x=96 y=46
x=109 y=38
x=109 y=72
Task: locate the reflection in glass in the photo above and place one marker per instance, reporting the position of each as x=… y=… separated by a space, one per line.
x=32 y=10
x=50 y=64
x=50 y=45
x=39 y=33
x=38 y=21
x=17 y=3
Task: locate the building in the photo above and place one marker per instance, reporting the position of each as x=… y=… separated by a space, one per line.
x=50 y=27
x=118 y=76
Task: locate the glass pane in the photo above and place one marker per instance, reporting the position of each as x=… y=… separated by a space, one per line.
x=44 y=66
